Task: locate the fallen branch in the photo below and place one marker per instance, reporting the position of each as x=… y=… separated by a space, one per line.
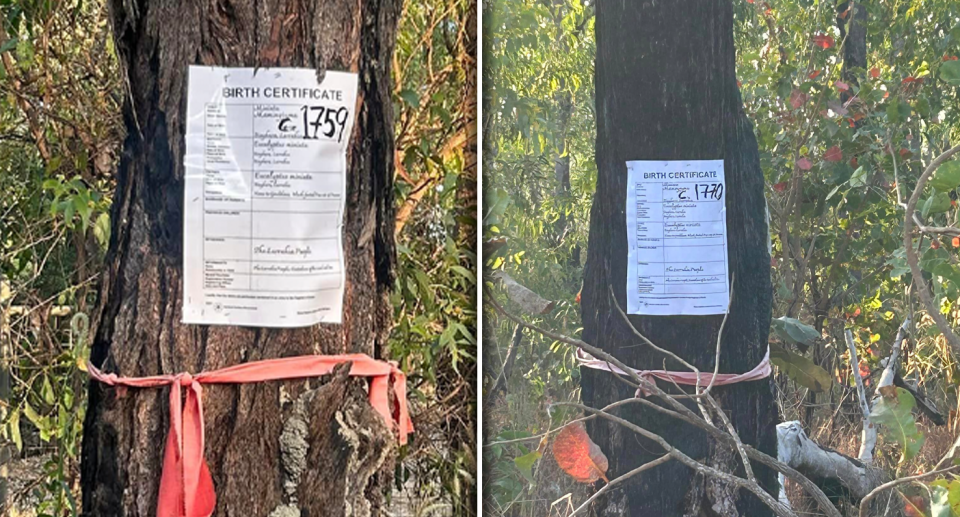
x=778 y=508
x=679 y=411
x=821 y=464
x=868 y=437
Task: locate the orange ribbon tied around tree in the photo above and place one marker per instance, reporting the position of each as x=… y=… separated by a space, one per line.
x=186 y=488
x=702 y=379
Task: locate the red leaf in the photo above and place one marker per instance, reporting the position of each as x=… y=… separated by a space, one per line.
x=834 y=154
x=842 y=86
x=814 y=74
x=914 y=506
x=905 y=153
x=804 y=163
x=864 y=369
x=797 y=98
x=935 y=244
x=578 y=295
x=578 y=456
x=823 y=41
x=955 y=242
x=750 y=1
x=780 y=187
x=874 y=72
x=949 y=58
x=908 y=79
x=853 y=162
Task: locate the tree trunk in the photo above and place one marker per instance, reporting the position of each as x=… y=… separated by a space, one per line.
x=853 y=35
x=467 y=182
x=666 y=90
x=309 y=447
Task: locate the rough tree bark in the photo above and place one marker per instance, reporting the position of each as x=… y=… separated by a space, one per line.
x=277 y=448
x=666 y=90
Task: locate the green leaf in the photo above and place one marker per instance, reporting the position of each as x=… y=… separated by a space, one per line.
x=947 y=176
x=14 y=426
x=935 y=204
x=950 y=72
x=101 y=230
x=32 y=415
x=893 y=410
x=10 y=44
x=525 y=464
x=801 y=370
x=940 y=502
x=47 y=391
x=793 y=331
x=859 y=177
x=410 y=97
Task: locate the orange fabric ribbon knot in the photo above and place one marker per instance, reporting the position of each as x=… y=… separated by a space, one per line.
x=186 y=488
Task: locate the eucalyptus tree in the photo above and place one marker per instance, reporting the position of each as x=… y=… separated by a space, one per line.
x=348 y=457
x=666 y=89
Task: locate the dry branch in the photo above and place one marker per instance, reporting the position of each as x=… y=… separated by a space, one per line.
x=913 y=260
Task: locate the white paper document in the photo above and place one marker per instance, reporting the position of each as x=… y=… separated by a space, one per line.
x=677 y=238
x=265 y=167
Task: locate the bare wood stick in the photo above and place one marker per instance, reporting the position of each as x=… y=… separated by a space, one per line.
x=893 y=362
x=736 y=437
x=868 y=438
x=620 y=479
x=865 y=502
x=778 y=508
x=914 y=261
x=680 y=411
x=646 y=340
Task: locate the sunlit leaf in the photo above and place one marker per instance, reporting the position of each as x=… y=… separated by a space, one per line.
x=801 y=370
x=578 y=456
x=893 y=411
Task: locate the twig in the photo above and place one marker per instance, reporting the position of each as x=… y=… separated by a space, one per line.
x=678 y=455
x=914 y=261
x=890 y=370
x=865 y=502
x=551 y=431
x=680 y=411
x=733 y=432
x=643 y=338
x=620 y=479
x=869 y=435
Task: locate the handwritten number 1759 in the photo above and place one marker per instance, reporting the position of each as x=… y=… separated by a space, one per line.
x=320 y=120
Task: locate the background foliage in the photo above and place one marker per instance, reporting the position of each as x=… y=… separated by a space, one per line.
x=60 y=132
x=841 y=148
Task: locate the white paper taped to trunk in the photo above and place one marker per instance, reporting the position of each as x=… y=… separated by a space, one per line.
x=677 y=238
x=264 y=196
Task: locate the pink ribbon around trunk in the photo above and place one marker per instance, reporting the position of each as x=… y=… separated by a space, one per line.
x=761 y=371
x=186 y=488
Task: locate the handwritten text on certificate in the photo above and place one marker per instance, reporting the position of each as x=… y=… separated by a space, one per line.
x=264 y=197
x=677 y=238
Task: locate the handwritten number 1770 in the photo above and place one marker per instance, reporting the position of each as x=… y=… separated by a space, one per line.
x=320 y=120
x=708 y=191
